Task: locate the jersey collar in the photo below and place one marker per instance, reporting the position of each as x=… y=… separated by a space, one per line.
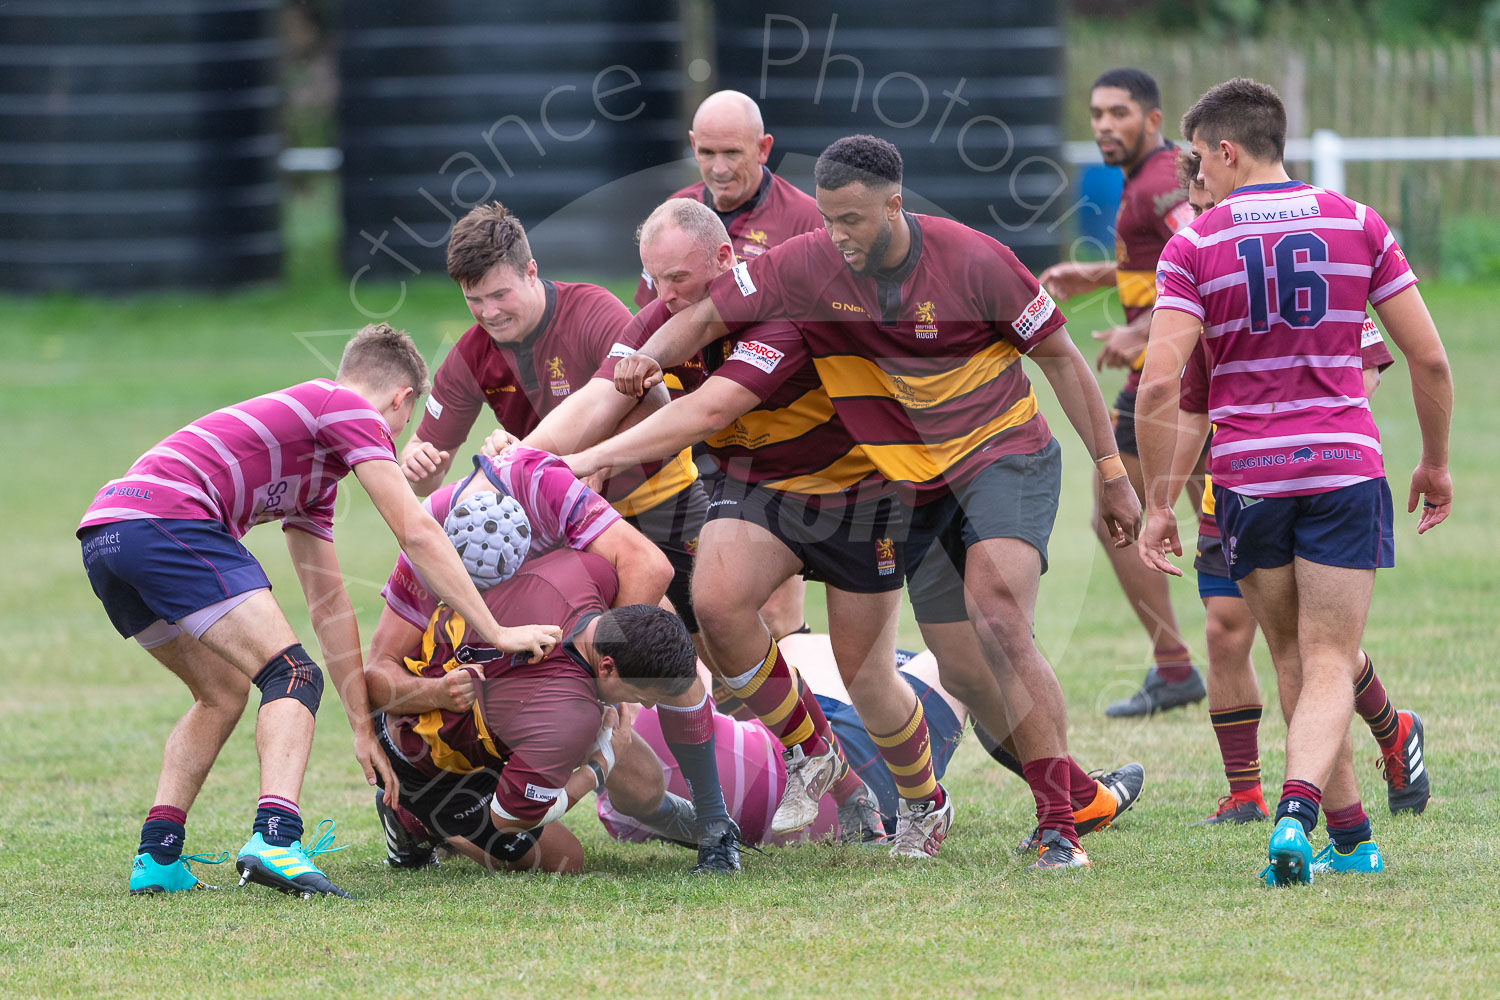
x=570 y=644
x=749 y=205
x=1275 y=186
x=1166 y=144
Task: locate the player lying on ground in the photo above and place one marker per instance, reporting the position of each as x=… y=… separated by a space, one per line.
x=490 y=779
x=1299 y=484
x=537 y=506
x=161 y=548
x=1234 y=702
x=752 y=755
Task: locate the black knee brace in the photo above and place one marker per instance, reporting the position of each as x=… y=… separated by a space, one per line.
x=291 y=674
x=508 y=847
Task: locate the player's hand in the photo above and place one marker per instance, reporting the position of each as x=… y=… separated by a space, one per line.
x=498 y=443
x=1120 y=509
x=606 y=744
x=535 y=639
x=1122 y=346
x=584 y=463
x=628 y=711
x=458 y=690
x=1158 y=537
x=1066 y=280
x=635 y=374
x=1434 y=487
x=373 y=761
x=423 y=462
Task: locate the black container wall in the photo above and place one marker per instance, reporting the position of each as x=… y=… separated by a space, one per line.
x=450 y=103
x=970 y=91
x=138 y=144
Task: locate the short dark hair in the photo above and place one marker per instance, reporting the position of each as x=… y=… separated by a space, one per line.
x=383 y=357
x=489 y=235
x=862 y=159
x=650 y=646
x=1187 y=168
x=1242 y=111
x=1139 y=84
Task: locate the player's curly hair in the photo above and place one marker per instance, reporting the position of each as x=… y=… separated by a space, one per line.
x=1242 y=111
x=488 y=235
x=650 y=646
x=381 y=356
x=864 y=159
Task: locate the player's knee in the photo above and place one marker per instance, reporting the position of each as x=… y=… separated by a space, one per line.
x=508 y=848
x=291 y=674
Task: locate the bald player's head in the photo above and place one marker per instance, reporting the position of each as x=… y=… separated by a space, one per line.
x=684 y=246
x=731 y=146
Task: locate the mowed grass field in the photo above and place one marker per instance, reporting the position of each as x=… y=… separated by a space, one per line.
x=86 y=386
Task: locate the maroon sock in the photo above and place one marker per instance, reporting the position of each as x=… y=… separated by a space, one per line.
x=1374 y=706
x=1238 y=732
x=1174 y=664
x=1081 y=788
x=1050 y=781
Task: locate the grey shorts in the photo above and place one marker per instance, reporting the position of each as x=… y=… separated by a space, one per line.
x=1014 y=496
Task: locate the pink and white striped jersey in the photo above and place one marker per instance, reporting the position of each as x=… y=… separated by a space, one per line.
x=277 y=456
x=563 y=512
x=1279 y=275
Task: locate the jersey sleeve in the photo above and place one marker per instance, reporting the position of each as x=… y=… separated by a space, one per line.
x=455 y=401
x=599 y=325
x=405 y=592
x=549 y=740
x=1372 y=350
x=1010 y=296
x=1194 y=398
x=630 y=339
x=1392 y=274
x=316 y=518
x=764 y=357
x=1176 y=285
x=759 y=289
x=559 y=505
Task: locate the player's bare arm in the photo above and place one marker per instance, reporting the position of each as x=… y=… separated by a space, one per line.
x=1409 y=325
x=333 y=621
x=643 y=570
x=584 y=418
x=427 y=545
x=393 y=688
x=1192 y=432
x=1076 y=277
x=682 y=336
x=424 y=465
x=1078 y=393
x=1173 y=337
x=680 y=424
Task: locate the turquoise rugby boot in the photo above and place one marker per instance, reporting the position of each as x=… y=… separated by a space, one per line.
x=1290 y=855
x=1364 y=858
x=290 y=869
x=149 y=876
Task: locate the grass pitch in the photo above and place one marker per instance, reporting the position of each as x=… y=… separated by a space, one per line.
x=1166 y=911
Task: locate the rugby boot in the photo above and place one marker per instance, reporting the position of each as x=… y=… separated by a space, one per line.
x=1158 y=695
x=681 y=824
x=1114 y=793
x=921 y=827
x=859 y=818
x=1236 y=811
x=1365 y=858
x=148 y=876
x=290 y=869
x=407 y=843
x=808 y=779
x=1407 y=785
x=1057 y=854
x=719 y=850
x=1290 y=855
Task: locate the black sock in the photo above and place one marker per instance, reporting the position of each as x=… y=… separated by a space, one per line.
x=277 y=826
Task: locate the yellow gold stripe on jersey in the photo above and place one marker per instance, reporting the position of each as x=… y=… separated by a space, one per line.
x=910 y=463
x=761 y=427
x=843 y=473
x=1208 y=496
x=1137 y=288
x=849 y=375
x=673 y=477
x=429 y=727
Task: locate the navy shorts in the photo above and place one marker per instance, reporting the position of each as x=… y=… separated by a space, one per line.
x=1014 y=496
x=163 y=570
x=1123 y=418
x=944 y=732
x=854 y=547
x=1351 y=528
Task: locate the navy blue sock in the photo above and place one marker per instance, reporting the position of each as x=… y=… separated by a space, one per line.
x=1300 y=800
x=700 y=768
x=162 y=834
x=1348 y=827
x=277 y=826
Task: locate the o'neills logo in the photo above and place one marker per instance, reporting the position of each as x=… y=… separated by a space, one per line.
x=762 y=356
x=1036 y=313
x=559 y=378
x=885 y=557
x=926 y=328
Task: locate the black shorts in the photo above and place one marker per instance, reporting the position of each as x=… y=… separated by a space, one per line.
x=1123 y=418
x=853 y=546
x=453 y=805
x=1014 y=496
x=674 y=525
